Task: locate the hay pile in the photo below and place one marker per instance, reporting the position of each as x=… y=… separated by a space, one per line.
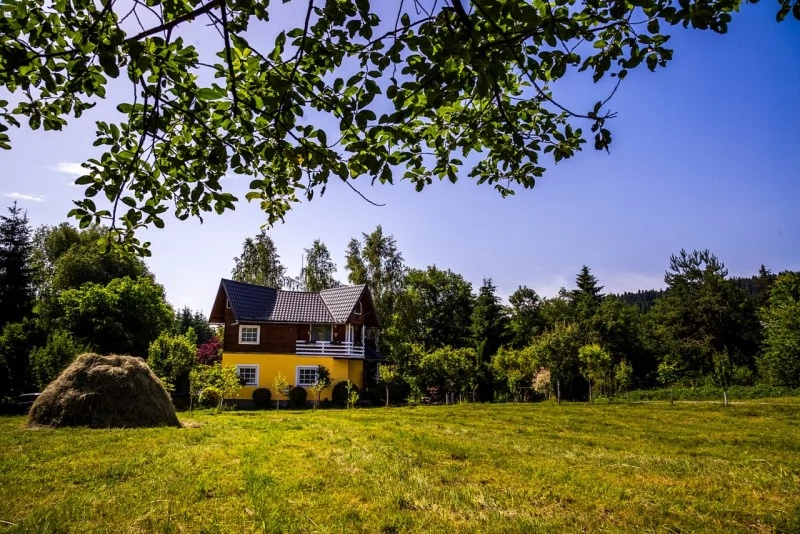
x=104 y=391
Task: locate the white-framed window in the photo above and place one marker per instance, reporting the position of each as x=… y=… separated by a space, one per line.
x=321 y=332
x=249 y=335
x=228 y=303
x=307 y=376
x=248 y=374
x=359 y=309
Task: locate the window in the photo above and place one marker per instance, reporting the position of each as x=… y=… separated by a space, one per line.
x=307 y=376
x=249 y=335
x=228 y=303
x=321 y=332
x=248 y=374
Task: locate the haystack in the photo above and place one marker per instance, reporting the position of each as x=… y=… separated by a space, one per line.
x=104 y=391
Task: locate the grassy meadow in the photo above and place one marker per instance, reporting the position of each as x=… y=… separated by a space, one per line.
x=652 y=467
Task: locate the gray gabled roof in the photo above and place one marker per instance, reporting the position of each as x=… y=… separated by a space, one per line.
x=260 y=304
x=300 y=307
x=340 y=301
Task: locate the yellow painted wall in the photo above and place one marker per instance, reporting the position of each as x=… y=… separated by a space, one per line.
x=269 y=365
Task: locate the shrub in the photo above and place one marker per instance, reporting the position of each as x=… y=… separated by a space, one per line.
x=340 y=393
x=171 y=358
x=210 y=397
x=47 y=362
x=209 y=353
x=297 y=397
x=261 y=397
x=221 y=379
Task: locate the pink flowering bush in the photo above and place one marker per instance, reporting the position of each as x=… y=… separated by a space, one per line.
x=210 y=353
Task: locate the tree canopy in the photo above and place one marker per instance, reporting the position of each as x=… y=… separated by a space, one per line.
x=259 y=263
x=319 y=270
x=384 y=91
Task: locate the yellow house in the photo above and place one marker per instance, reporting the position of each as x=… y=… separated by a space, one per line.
x=270 y=331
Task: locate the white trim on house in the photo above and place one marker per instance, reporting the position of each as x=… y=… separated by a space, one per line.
x=298 y=382
x=250 y=327
x=349 y=333
x=249 y=366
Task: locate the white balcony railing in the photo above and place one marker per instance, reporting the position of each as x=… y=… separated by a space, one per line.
x=346 y=349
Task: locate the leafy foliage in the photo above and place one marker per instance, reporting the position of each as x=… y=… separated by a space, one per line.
x=217 y=381
x=122 y=317
x=525 y=321
x=281 y=389
x=449 y=370
x=388 y=374
x=323 y=383
x=780 y=361
x=297 y=397
x=186 y=319
x=171 y=358
x=704 y=314
x=259 y=263
x=378 y=263
x=16 y=340
x=595 y=364
x=435 y=309
x=623 y=373
x=261 y=397
x=209 y=353
x=317 y=273
x=48 y=361
x=357 y=91
x=66 y=258
x=339 y=394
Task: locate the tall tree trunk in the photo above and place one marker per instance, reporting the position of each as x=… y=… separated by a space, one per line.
x=387 y=395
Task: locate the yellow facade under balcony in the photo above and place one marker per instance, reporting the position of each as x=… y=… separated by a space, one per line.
x=267 y=367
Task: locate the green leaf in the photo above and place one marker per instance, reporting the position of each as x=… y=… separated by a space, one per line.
x=109 y=63
x=206 y=93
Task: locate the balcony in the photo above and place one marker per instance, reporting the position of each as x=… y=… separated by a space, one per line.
x=344 y=349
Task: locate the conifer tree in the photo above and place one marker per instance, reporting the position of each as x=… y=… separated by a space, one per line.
x=489 y=320
x=16 y=275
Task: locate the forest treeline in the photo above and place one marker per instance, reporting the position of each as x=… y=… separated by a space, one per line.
x=61 y=295
x=443 y=336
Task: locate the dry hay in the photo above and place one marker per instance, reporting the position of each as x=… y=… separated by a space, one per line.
x=102 y=392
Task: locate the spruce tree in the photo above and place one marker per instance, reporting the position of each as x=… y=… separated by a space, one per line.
x=588 y=287
x=586 y=302
x=490 y=329
x=16 y=274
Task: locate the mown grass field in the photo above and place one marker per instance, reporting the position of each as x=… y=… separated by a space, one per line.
x=469 y=468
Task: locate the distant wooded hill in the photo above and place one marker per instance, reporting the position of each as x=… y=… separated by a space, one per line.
x=645 y=298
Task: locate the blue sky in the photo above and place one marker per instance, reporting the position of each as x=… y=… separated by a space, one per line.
x=706 y=154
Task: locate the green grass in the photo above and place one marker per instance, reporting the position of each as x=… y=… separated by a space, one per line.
x=466 y=468
x=735 y=393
